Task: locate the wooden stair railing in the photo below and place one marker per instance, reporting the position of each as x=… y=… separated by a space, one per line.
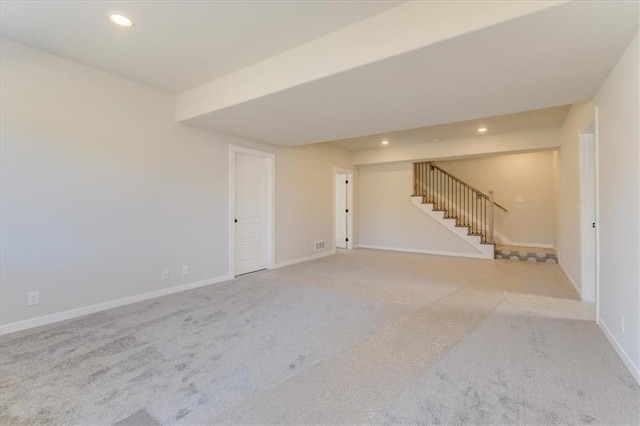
x=457 y=199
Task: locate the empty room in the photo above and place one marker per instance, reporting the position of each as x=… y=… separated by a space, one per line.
x=319 y=212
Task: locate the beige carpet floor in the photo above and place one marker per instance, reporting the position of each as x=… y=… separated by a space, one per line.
x=362 y=337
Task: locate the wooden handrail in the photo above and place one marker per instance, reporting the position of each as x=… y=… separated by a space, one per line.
x=457 y=199
x=464 y=183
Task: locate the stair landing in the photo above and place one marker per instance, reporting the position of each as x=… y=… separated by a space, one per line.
x=527 y=254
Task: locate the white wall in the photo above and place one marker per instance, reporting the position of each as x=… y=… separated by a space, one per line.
x=619 y=225
x=530 y=176
x=102 y=189
x=304 y=198
x=387 y=218
x=568 y=190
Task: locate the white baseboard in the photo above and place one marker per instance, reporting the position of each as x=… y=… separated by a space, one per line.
x=91 y=309
x=534 y=245
x=633 y=369
x=573 y=283
x=507 y=242
x=423 y=251
x=304 y=259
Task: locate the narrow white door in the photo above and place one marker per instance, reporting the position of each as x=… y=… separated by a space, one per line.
x=250 y=213
x=588 y=215
x=341 y=210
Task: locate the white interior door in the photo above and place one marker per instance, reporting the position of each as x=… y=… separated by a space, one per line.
x=250 y=213
x=341 y=210
x=588 y=214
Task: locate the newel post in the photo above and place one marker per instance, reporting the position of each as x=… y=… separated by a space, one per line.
x=490 y=236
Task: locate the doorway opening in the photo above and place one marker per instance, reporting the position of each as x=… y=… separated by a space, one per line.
x=588 y=214
x=343 y=208
x=251 y=214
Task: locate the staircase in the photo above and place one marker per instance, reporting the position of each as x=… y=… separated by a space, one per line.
x=468 y=212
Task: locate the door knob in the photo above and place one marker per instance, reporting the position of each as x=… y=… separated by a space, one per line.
x=235 y=220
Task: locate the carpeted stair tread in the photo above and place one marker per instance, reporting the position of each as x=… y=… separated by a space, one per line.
x=527 y=254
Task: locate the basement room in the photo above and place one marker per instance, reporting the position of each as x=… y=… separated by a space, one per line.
x=319 y=212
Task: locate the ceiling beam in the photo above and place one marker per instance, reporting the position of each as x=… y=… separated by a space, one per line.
x=399 y=30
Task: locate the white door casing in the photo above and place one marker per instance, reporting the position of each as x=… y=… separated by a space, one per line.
x=340 y=209
x=251 y=211
x=588 y=214
x=343 y=202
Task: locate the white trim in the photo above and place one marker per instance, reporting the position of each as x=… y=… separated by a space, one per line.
x=573 y=283
x=532 y=245
x=350 y=191
x=304 y=259
x=504 y=241
x=270 y=225
x=484 y=251
x=423 y=251
x=91 y=309
x=633 y=369
x=588 y=163
x=597 y=179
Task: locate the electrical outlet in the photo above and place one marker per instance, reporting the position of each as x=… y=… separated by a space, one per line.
x=622 y=325
x=33 y=298
x=165 y=274
x=185 y=269
x=304 y=247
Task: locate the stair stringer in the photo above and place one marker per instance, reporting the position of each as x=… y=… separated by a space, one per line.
x=484 y=251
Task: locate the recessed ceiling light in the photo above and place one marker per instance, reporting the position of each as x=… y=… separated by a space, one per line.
x=385 y=142
x=119 y=19
x=482 y=129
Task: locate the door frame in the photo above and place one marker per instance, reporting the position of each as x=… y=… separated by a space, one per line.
x=269 y=224
x=588 y=132
x=350 y=190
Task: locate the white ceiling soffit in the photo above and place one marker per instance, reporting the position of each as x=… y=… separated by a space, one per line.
x=177 y=45
x=556 y=56
x=529 y=121
x=400 y=30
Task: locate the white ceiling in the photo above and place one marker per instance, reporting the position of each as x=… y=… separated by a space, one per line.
x=176 y=45
x=453 y=61
x=540 y=119
x=558 y=56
